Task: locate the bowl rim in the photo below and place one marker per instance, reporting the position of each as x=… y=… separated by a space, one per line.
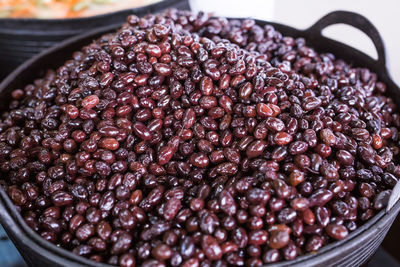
x=20 y=228
x=377 y=222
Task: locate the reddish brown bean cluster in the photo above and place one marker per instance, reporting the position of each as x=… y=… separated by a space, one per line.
x=184 y=140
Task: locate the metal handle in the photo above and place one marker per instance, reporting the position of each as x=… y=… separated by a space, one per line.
x=356 y=20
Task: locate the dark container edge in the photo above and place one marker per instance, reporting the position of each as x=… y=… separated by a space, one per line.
x=382 y=219
x=37 y=25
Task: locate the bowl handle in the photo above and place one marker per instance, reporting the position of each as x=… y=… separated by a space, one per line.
x=394 y=197
x=356 y=20
x=363 y=24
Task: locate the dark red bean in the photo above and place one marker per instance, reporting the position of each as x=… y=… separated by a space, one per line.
x=278 y=239
x=199 y=160
x=336 y=231
x=271 y=256
x=84 y=232
x=165 y=155
x=162 y=69
x=322 y=216
x=320 y=197
x=345 y=157
x=299 y=204
x=211 y=248
x=19 y=198
x=61 y=198
x=327 y=137
x=227 y=203
x=90 y=102
x=121 y=244
x=153 y=50
x=298 y=147
x=162 y=252
x=72 y=111
x=206 y=86
x=256 y=148
x=311 y=102
x=282 y=138
x=314 y=243
x=142 y=131
x=104 y=230
x=258 y=237
x=267 y=110
x=127 y=260
x=109 y=143
x=188 y=118
x=171 y=208
x=381 y=200
x=187 y=140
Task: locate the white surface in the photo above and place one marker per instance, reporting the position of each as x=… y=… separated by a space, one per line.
x=262 y=9
x=383 y=14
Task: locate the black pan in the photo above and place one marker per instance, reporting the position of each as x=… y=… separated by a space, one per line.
x=353 y=251
x=22 y=38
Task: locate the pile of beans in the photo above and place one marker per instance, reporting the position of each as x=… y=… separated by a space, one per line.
x=185 y=140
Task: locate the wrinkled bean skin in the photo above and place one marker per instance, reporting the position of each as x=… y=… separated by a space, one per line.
x=187 y=140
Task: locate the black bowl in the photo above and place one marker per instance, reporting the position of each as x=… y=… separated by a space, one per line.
x=353 y=251
x=22 y=38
